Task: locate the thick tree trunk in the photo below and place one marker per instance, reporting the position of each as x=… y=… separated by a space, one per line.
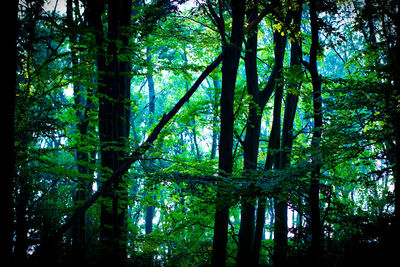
x=229 y=72
x=114 y=91
x=114 y=131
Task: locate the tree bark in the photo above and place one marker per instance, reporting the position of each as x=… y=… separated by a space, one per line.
x=229 y=72
x=114 y=130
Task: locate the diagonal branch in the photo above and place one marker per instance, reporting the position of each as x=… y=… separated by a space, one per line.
x=136 y=155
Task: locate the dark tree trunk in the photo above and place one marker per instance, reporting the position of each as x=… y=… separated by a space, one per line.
x=82 y=106
x=281 y=227
x=397 y=180
x=251 y=142
x=114 y=130
x=315 y=217
x=9 y=156
x=274 y=82
x=229 y=72
x=395 y=118
x=114 y=93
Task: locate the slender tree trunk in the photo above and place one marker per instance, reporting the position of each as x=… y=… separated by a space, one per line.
x=9 y=156
x=251 y=232
x=395 y=117
x=281 y=208
x=397 y=181
x=274 y=82
x=280 y=227
x=251 y=142
x=83 y=187
x=214 y=100
x=229 y=72
x=152 y=97
x=315 y=224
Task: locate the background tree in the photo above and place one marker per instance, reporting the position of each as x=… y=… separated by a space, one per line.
x=76 y=62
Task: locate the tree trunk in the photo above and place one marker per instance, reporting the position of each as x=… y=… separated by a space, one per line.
x=152 y=97
x=114 y=91
x=281 y=227
x=315 y=223
x=83 y=187
x=274 y=140
x=9 y=155
x=116 y=114
x=274 y=82
x=251 y=142
x=394 y=59
x=214 y=99
x=229 y=72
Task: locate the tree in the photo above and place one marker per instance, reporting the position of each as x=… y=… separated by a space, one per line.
x=10 y=133
x=114 y=129
x=315 y=217
x=249 y=251
x=308 y=178
x=229 y=71
x=83 y=107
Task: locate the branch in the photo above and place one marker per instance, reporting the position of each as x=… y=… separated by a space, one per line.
x=257 y=20
x=136 y=155
x=218 y=21
x=266 y=93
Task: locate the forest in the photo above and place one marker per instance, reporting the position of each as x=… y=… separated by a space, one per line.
x=202 y=133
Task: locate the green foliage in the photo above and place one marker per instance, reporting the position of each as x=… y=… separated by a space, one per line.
x=58 y=148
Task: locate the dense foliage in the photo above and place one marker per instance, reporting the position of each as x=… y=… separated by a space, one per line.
x=119 y=116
